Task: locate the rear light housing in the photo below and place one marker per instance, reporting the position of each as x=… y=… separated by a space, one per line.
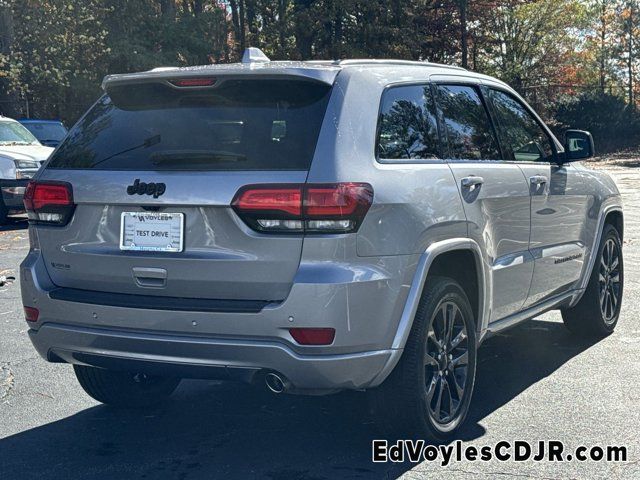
x=313 y=336
x=49 y=203
x=309 y=208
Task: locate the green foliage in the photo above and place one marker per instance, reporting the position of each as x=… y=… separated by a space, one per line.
x=54 y=53
x=613 y=123
x=58 y=44
x=61 y=49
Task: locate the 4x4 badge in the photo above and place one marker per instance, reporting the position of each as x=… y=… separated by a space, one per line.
x=141 y=188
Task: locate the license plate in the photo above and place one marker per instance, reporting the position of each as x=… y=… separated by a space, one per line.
x=152 y=231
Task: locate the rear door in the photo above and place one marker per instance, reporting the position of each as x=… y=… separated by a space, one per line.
x=154 y=169
x=559 y=201
x=495 y=194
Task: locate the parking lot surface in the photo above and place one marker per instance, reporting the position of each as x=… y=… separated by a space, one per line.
x=535 y=382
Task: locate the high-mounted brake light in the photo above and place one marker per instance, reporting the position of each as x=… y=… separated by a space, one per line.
x=193 y=82
x=49 y=202
x=294 y=208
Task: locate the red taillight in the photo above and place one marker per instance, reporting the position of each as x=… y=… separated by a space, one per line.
x=328 y=208
x=194 y=82
x=313 y=336
x=49 y=202
x=31 y=314
x=270 y=199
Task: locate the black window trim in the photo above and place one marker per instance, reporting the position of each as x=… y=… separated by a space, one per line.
x=478 y=86
x=536 y=118
x=409 y=161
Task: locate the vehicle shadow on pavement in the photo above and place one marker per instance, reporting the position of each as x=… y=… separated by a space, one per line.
x=14 y=223
x=214 y=430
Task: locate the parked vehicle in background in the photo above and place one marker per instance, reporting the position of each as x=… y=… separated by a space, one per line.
x=21 y=155
x=313 y=226
x=48 y=132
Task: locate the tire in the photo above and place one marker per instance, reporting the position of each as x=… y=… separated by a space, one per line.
x=591 y=317
x=408 y=399
x=124 y=389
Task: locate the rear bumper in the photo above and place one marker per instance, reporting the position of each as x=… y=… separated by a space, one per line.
x=362 y=304
x=195 y=357
x=12 y=192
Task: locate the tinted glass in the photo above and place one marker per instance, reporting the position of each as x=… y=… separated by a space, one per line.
x=469 y=131
x=407 y=125
x=47 y=131
x=13 y=133
x=237 y=125
x=523 y=139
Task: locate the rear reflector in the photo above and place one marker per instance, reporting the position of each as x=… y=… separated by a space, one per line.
x=49 y=202
x=295 y=208
x=31 y=314
x=194 y=82
x=313 y=336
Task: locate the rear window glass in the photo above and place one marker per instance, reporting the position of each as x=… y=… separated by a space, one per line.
x=407 y=124
x=236 y=125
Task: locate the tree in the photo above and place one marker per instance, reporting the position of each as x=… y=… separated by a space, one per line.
x=530 y=40
x=49 y=62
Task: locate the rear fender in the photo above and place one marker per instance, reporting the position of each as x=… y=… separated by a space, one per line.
x=417 y=287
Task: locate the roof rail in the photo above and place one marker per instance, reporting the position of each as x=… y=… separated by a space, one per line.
x=382 y=62
x=163 y=69
x=376 y=61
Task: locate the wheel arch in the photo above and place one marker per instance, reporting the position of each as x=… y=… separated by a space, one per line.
x=612 y=215
x=451 y=258
x=615 y=217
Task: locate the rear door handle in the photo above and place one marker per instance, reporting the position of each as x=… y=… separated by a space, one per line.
x=538 y=180
x=472 y=181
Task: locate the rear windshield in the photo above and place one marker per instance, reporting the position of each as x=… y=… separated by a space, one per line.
x=236 y=125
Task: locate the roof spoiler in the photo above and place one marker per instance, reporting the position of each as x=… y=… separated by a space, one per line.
x=254 y=63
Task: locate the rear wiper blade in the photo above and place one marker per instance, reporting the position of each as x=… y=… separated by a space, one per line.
x=148 y=142
x=195 y=156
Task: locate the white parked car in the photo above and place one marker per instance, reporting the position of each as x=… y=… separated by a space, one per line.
x=21 y=155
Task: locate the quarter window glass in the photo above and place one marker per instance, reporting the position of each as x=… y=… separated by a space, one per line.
x=469 y=129
x=408 y=128
x=523 y=139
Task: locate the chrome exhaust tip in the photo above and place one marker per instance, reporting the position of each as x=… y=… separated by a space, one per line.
x=275 y=382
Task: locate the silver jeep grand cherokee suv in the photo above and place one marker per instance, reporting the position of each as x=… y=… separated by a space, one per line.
x=317 y=226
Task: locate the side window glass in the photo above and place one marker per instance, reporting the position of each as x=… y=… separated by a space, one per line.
x=407 y=127
x=522 y=137
x=467 y=123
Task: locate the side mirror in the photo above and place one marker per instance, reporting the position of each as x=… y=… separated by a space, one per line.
x=578 y=145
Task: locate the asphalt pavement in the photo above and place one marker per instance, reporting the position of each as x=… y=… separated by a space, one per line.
x=536 y=382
